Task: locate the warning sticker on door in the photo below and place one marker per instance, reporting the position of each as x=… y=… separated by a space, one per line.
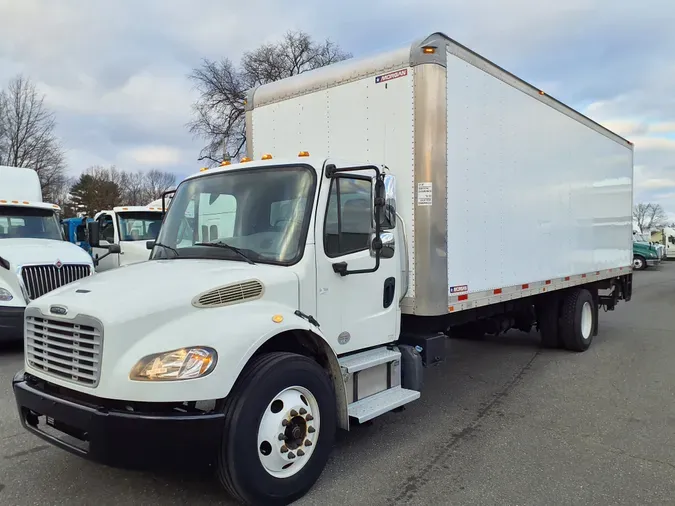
x=424 y=194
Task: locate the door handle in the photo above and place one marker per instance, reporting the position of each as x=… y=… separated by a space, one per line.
x=340 y=268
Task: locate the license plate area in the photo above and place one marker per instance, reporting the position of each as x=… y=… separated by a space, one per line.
x=61 y=432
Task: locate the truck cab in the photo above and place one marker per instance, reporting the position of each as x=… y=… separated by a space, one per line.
x=645 y=253
x=130 y=228
x=35 y=258
x=75 y=231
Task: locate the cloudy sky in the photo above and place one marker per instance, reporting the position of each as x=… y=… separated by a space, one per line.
x=114 y=71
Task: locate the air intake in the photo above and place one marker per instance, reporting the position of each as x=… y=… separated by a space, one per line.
x=230 y=294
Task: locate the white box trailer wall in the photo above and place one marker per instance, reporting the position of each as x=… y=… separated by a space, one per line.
x=505 y=191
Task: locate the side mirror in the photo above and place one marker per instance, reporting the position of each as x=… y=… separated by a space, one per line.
x=150 y=244
x=114 y=249
x=386 y=244
x=93 y=232
x=389 y=211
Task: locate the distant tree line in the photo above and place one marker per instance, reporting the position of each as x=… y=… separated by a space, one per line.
x=100 y=188
x=28 y=139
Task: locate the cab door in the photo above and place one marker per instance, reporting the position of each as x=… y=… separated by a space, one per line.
x=108 y=234
x=356 y=310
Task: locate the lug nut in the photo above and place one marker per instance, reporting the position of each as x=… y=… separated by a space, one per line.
x=294 y=412
x=307 y=443
x=284 y=449
x=291 y=455
x=301 y=453
x=303 y=411
x=311 y=430
x=284 y=422
x=282 y=437
x=309 y=418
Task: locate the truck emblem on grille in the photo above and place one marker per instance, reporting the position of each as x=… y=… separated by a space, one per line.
x=58 y=264
x=58 y=310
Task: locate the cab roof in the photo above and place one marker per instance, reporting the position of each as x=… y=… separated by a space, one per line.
x=142 y=209
x=28 y=203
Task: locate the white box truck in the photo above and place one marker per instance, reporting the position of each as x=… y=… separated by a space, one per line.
x=126 y=229
x=444 y=196
x=35 y=258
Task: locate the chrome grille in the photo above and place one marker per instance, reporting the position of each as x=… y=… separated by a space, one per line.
x=66 y=349
x=40 y=279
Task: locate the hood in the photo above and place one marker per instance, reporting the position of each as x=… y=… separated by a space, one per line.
x=134 y=252
x=161 y=290
x=42 y=251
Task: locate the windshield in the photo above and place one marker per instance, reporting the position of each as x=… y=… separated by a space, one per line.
x=139 y=225
x=263 y=212
x=28 y=222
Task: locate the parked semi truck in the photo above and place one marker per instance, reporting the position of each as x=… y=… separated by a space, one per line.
x=379 y=210
x=34 y=256
x=123 y=234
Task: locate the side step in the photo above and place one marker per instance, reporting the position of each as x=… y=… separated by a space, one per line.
x=373 y=382
x=378 y=404
x=367 y=359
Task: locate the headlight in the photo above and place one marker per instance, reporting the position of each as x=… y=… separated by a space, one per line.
x=5 y=295
x=183 y=364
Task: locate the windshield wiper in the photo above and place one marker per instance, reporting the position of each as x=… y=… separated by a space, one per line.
x=173 y=250
x=221 y=244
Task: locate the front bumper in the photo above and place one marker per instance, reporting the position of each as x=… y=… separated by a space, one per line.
x=653 y=262
x=11 y=323
x=92 y=428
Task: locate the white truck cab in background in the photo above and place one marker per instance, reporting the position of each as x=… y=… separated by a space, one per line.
x=129 y=228
x=294 y=294
x=35 y=258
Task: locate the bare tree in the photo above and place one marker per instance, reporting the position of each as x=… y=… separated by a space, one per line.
x=27 y=136
x=219 y=116
x=648 y=216
x=157 y=182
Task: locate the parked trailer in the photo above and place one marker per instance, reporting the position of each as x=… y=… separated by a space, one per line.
x=335 y=282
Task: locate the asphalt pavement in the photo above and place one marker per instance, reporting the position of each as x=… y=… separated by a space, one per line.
x=501 y=422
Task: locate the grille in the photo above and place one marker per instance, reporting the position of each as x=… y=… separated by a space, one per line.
x=230 y=294
x=66 y=349
x=40 y=279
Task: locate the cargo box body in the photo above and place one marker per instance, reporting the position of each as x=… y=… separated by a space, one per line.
x=504 y=191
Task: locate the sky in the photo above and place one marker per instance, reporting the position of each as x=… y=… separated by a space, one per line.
x=115 y=72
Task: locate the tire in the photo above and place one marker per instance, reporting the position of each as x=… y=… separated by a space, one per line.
x=252 y=412
x=639 y=263
x=548 y=314
x=577 y=320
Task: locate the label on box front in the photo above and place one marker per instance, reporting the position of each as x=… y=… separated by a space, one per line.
x=391 y=75
x=459 y=289
x=424 y=194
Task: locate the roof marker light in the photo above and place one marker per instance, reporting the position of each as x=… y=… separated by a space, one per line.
x=428 y=50
x=266 y=156
x=303 y=153
x=203 y=169
x=225 y=162
x=245 y=159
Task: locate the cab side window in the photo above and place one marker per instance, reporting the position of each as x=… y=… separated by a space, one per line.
x=349 y=217
x=107 y=228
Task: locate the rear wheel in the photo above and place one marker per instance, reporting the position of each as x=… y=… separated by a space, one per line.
x=281 y=422
x=577 y=320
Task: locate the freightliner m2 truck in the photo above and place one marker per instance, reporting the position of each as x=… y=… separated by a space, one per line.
x=379 y=210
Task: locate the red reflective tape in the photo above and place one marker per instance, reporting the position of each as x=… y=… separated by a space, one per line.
x=462 y=297
x=497 y=291
x=548 y=281
x=526 y=286
x=567 y=278
x=583 y=275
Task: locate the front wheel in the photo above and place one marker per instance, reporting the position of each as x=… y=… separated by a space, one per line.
x=281 y=422
x=639 y=263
